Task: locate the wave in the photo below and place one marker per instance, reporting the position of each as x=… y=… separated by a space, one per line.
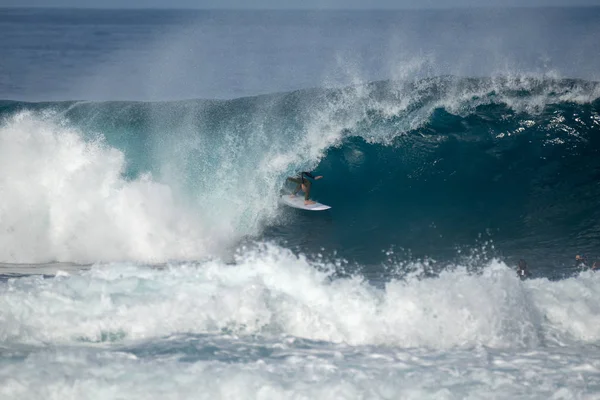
x=428 y=165
x=273 y=293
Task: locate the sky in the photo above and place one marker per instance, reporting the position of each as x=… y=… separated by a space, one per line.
x=293 y=4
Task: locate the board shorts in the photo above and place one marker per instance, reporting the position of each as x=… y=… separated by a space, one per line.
x=298 y=181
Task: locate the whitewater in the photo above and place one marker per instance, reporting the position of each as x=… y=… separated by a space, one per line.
x=144 y=253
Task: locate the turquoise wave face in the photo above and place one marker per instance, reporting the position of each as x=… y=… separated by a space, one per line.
x=430 y=168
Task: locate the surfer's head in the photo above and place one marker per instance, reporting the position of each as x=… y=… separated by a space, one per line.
x=580 y=261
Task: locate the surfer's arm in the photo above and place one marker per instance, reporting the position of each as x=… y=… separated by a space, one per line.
x=312 y=176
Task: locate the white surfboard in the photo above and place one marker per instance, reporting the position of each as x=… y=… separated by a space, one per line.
x=298 y=202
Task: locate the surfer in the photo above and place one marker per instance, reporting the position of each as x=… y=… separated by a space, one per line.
x=304 y=184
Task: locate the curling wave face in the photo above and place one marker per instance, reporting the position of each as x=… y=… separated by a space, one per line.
x=428 y=165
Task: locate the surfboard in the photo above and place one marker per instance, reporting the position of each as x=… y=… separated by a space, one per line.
x=298 y=202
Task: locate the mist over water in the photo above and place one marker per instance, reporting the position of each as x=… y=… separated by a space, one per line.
x=173 y=55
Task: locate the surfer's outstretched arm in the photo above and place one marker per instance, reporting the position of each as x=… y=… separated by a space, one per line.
x=312 y=176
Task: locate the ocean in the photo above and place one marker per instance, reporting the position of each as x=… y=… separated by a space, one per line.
x=144 y=253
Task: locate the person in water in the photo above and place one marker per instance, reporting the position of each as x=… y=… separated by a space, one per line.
x=522 y=271
x=303 y=183
x=580 y=262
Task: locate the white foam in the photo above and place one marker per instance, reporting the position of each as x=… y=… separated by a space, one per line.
x=273 y=292
x=64 y=198
x=211 y=330
x=302 y=374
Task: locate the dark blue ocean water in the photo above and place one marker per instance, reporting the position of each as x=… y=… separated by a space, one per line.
x=145 y=254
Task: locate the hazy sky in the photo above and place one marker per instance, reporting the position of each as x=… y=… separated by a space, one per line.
x=287 y=4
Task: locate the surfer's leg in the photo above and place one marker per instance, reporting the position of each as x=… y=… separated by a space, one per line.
x=298 y=184
x=306 y=188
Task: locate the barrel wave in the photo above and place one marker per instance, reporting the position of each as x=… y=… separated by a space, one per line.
x=435 y=168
